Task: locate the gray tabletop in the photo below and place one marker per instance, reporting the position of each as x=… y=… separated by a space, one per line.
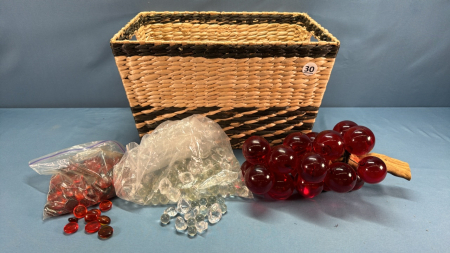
x=395 y=215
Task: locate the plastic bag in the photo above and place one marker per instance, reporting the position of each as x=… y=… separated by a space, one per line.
x=190 y=157
x=82 y=174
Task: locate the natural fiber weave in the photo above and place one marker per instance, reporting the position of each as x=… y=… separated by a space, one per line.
x=243 y=70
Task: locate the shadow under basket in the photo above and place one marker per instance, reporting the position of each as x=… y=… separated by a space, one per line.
x=247 y=71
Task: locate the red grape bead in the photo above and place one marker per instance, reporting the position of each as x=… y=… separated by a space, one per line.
x=259 y=179
x=343 y=126
x=244 y=167
x=312 y=136
x=299 y=142
x=92 y=227
x=79 y=211
x=105 y=205
x=91 y=216
x=372 y=169
x=341 y=177
x=105 y=232
x=282 y=188
x=71 y=228
x=282 y=159
x=329 y=144
x=359 y=183
x=256 y=150
x=309 y=190
x=359 y=140
x=313 y=168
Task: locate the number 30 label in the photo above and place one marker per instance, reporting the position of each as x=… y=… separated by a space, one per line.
x=309 y=69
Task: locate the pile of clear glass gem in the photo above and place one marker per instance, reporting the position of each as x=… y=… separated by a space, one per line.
x=190 y=216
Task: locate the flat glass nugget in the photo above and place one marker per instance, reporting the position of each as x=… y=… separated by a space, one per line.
x=165 y=218
x=180 y=224
x=215 y=213
x=105 y=232
x=201 y=226
x=171 y=211
x=105 y=205
x=71 y=227
x=104 y=220
x=92 y=227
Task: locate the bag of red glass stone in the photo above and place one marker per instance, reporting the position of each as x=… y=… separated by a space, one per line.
x=82 y=174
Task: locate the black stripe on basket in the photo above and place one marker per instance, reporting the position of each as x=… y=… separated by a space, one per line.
x=224 y=19
x=301 y=114
x=225 y=51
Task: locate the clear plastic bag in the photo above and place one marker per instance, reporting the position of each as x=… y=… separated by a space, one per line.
x=190 y=157
x=82 y=174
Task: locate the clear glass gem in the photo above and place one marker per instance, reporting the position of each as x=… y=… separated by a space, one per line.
x=192 y=231
x=164 y=185
x=201 y=226
x=171 y=211
x=199 y=217
x=189 y=214
x=224 y=208
x=165 y=218
x=212 y=200
x=215 y=213
x=174 y=194
x=220 y=200
x=204 y=210
x=186 y=178
x=194 y=203
x=183 y=205
x=190 y=222
x=203 y=202
x=180 y=224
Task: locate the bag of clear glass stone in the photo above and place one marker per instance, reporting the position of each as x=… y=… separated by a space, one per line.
x=191 y=157
x=82 y=174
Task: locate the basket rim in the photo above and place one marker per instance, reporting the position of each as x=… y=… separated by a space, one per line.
x=116 y=38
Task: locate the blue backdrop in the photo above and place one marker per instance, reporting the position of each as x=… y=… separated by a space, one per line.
x=56 y=53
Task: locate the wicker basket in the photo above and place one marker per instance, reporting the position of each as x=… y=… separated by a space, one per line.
x=242 y=69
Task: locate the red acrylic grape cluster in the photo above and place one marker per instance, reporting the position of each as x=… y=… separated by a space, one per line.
x=312 y=163
x=95 y=222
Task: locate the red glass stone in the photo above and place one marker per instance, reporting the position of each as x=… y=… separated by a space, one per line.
x=79 y=211
x=372 y=169
x=104 y=220
x=343 y=126
x=329 y=144
x=359 y=183
x=244 y=167
x=92 y=227
x=312 y=136
x=341 y=177
x=282 y=159
x=105 y=205
x=299 y=142
x=73 y=219
x=256 y=150
x=91 y=216
x=313 y=168
x=259 y=179
x=105 y=232
x=98 y=212
x=309 y=190
x=282 y=188
x=359 y=140
x=71 y=228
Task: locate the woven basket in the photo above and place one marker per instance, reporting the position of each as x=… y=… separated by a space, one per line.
x=243 y=70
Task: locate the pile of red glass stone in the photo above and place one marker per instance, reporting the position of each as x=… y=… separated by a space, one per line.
x=95 y=222
x=312 y=162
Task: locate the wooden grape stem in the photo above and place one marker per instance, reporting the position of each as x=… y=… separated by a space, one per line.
x=395 y=167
